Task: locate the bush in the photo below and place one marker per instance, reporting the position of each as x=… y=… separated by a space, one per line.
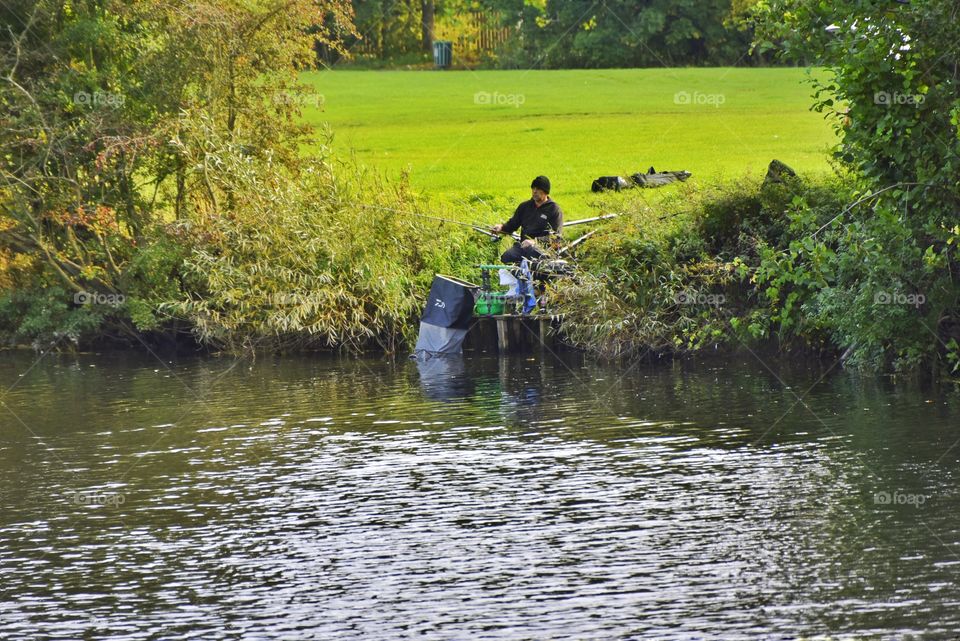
x=321 y=258
x=697 y=272
x=47 y=318
x=790 y=263
x=882 y=276
x=653 y=279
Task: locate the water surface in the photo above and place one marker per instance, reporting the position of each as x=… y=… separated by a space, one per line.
x=518 y=498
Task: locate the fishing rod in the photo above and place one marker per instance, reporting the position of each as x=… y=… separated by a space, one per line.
x=576 y=242
x=477 y=228
x=590 y=220
x=580 y=222
x=572 y=223
x=483 y=230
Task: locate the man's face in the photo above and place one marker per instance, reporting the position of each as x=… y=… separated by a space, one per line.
x=539 y=195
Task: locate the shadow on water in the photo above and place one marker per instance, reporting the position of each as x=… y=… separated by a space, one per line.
x=511 y=388
x=445 y=378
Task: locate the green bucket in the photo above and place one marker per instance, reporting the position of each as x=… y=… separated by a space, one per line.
x=489 y=304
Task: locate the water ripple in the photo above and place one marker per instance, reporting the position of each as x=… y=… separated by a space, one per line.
x=308 y=499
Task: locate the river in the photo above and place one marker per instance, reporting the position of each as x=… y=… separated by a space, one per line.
x=531 y=497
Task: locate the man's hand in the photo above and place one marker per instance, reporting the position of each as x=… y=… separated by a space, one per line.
x=528 y=243
x=496 y=228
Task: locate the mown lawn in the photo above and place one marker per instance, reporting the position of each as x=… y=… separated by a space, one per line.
x=478 y=138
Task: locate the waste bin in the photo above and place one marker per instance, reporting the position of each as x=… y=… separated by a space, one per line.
x=442 y=53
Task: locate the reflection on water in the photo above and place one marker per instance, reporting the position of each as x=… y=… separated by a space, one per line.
x=445 y=378
x=524 y=497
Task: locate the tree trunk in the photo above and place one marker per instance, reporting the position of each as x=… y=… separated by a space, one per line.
x=426 y=24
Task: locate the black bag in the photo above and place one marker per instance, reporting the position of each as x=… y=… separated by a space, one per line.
x=450 y=303
x=606 y=183
x=659 y=179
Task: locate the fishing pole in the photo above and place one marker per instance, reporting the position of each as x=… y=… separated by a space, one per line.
x=483 y=230
x=576 y=242
x=590 y=220
x=451 y=221
x=486 y=232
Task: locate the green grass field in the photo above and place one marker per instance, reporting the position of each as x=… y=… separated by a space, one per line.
x=478 y=138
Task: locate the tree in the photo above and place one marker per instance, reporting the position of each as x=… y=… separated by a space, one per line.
x=427 y=11
x=892 y=92
x=621 y=33
x=98 y=101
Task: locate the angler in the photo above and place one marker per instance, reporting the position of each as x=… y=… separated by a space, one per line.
x=537 y=219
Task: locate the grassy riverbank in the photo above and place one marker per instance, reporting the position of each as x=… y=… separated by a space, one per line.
x=477 y=138
x=320 y=251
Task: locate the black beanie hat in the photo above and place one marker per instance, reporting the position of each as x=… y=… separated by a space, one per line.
x=542 y=183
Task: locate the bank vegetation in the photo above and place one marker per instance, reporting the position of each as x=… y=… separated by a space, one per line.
x=154 y=192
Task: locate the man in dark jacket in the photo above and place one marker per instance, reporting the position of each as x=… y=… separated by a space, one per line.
x=536 y=218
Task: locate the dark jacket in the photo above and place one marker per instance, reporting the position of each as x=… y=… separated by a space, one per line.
x=535 y=222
